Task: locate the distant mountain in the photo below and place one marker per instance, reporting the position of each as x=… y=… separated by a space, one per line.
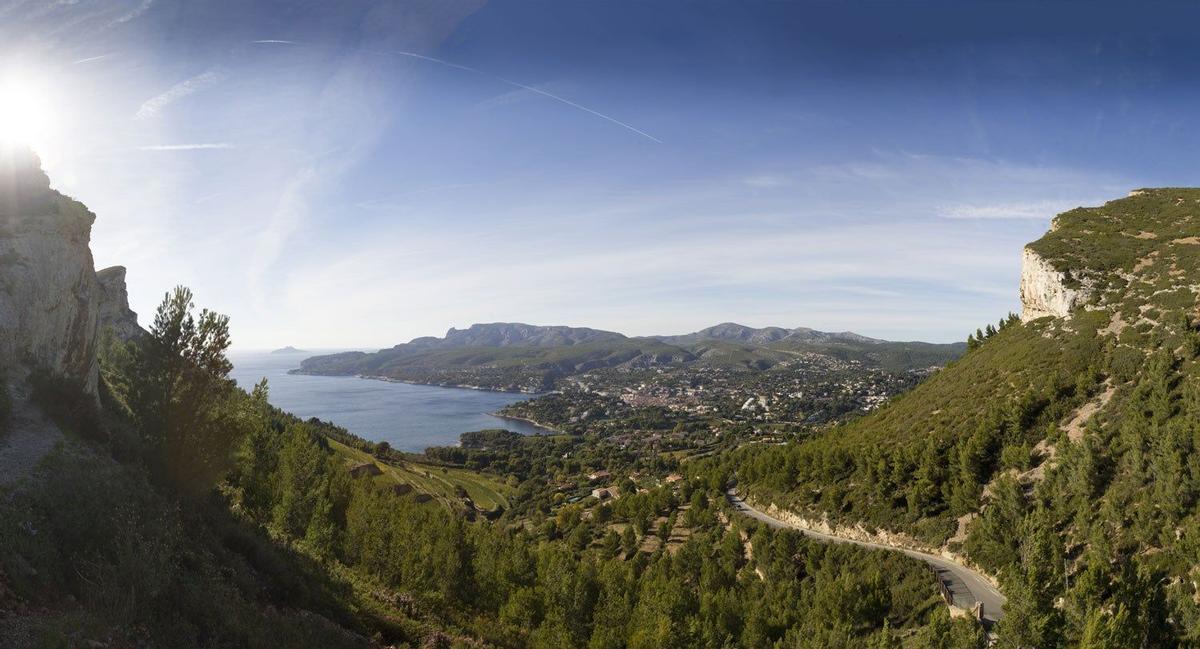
x=731 y=331
x=507 y=334
x=289 y=350
x=522 y=357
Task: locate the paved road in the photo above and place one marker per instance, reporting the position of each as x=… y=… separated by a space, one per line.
x=966 y=585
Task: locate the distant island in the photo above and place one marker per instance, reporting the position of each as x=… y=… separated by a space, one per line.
x=289 y=350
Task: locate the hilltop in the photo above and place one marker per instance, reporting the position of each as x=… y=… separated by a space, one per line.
x=521 y=357
x=1060 y=453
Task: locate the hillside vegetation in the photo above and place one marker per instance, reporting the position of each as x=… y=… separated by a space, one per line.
x=526 y=358
x=189 y=513
x=1068 y=448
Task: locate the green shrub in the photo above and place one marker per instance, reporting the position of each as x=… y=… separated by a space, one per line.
x=67 y=403
x=1124 y=362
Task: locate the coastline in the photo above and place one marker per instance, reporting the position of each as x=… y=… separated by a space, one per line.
x=462 y=386
x=527 y=420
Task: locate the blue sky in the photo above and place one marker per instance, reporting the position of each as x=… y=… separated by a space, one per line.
x=361 y=173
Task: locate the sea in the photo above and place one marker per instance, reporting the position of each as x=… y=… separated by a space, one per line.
x=408 y=417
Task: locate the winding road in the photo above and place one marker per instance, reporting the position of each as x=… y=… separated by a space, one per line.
x=966 y=586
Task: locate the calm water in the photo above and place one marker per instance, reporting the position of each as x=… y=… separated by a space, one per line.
x=409 y=417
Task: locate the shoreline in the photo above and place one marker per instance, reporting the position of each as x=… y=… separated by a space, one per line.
x=532 y=422
x=461 y=386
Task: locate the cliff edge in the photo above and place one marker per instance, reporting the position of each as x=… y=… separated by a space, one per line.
x=49 y=294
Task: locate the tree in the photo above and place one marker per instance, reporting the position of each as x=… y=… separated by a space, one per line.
x=181 y=395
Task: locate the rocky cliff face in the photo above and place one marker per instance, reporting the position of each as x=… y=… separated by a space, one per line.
x=1046 y=291
x=115 y=313
x=49 y=294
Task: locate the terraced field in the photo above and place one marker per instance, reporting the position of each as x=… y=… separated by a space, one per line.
x=442 y=483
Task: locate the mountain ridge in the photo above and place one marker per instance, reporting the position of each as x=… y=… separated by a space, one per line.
x=529 y=358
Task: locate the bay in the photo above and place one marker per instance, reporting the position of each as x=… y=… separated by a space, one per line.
x=409 y=417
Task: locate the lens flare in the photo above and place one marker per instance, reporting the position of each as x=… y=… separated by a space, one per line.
x=26 y=113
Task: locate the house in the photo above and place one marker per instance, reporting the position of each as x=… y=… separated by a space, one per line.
x=673 y=478
x=604 y=493
x=598 y=476
x=365 y=469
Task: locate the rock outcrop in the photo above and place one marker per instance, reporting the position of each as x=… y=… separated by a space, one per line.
x=1046 y=291
x=49 y=294
x=115 y=314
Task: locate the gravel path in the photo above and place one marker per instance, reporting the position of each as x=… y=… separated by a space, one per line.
x=29 y=438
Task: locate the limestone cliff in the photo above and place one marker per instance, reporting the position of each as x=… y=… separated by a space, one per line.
x=1046 y=291
x=115 y=313
x=49 y=294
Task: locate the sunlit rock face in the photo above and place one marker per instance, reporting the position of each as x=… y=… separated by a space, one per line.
x=1045 y=291
x=115 y=314
x=49 y=294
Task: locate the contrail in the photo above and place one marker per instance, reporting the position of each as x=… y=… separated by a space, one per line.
x=187 y=147
x=515 y=84
x=90 y=59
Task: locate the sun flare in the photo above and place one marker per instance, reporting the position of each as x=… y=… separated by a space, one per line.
x=27 y=115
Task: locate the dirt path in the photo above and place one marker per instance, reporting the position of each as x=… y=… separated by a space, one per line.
x=30 y=437
x=966 y=585
x=1074 y=426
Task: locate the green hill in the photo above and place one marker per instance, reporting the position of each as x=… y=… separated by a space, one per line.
x=526 y=358
x=1065 y=446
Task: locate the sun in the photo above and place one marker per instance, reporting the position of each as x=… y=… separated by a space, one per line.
x=27 y=114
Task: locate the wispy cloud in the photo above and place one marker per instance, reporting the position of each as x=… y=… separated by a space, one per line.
x=153 y=106
x=529 y=88
x=188 y=147
x=273 y=41
x=1018 y=210
x=767 y=181
x=508 y=98
x=91 y=59
x=133 y=13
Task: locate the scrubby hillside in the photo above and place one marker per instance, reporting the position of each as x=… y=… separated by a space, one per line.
x=1059 y=454
x=521 y=357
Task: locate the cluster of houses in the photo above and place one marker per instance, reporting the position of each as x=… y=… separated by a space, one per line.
x=612 y=492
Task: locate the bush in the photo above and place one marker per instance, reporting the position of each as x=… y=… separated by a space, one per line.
x=67 y=404
x=1124 y=362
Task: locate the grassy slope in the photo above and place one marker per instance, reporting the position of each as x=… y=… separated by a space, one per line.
x=440 y=482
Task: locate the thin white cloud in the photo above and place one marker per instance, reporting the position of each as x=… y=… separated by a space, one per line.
x=273 y=41
x=91 y=59
x=153 y=106
x=187 y=147
x=133 y=14
x=1026 y=210
x=532 y=89
x=767 y=181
